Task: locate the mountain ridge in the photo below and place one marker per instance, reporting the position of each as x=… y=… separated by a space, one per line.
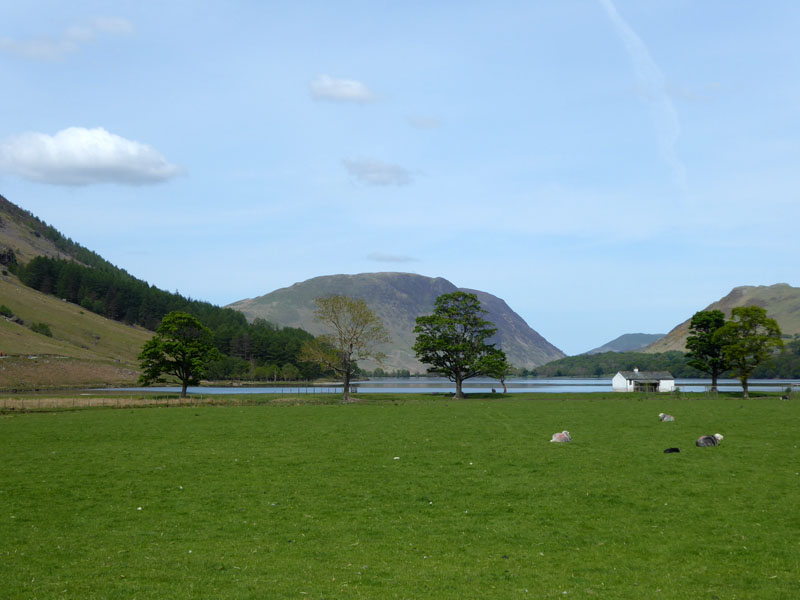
x=627 y=342
x=781 y=300
x=397 y=299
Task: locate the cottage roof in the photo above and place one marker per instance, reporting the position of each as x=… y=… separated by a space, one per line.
x=646 y=376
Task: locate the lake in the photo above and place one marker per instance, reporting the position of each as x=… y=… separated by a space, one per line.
x=428 y=385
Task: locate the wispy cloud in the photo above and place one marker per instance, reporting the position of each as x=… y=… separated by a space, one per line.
x=662 y=112
x=68 y=42
x=77 y=156
x=418 y=122
x=374 y=172
x=325 y=87
x=390 y=258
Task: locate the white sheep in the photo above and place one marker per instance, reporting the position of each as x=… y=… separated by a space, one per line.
x=564 y=436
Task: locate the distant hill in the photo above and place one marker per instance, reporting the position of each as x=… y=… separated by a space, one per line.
x=627 y=342
x=781 y=301
x=398 y=299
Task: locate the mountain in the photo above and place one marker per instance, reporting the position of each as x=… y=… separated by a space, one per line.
x=24 y=236
x=398 y=299
x=84 y=349
x=781 y=301
x=628 y=342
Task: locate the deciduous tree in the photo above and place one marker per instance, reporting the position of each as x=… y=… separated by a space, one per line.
x=452 y=340
x=498 y=367
x=748 y=339
x=705 y=345
x=181 y=347
x=356 y=334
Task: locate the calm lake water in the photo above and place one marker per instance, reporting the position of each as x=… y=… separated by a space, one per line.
x=428 y=385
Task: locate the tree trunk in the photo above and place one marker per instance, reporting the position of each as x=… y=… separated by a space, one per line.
x=346 y=391
x=184 y=385
x=347 y=373
x=744 y=387
x=714 y=376
x=459 y=393
x=503 y=383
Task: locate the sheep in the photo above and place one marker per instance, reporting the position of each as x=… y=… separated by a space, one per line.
x=665 y=417
x=564 y=436
x=708 y=440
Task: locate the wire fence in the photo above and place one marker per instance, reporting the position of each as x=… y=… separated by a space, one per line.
x=83 y=400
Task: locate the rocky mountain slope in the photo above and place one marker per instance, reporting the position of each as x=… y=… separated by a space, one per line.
x=398 y=299
x=781 y=301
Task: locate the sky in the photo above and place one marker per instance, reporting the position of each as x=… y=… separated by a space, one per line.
x=604 y=166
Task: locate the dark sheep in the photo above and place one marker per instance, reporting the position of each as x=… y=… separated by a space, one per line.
x=705 y=441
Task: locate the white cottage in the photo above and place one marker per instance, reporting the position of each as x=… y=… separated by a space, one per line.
x=643 y=381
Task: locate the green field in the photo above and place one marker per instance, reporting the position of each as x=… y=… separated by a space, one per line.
x=403 y=497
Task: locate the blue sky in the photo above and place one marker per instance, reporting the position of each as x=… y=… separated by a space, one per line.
x=605 y=166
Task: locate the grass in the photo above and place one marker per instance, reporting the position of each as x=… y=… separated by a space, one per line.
x=85 y=349
x=403 y=497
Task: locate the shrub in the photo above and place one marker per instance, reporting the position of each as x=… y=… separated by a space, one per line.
x=42 y=328
x=5 y=311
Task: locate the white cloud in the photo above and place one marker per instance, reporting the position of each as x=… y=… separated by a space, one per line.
x=662 y=112
x=69 y=41
x=390 y=258
x=79 y=156
x=325 y=87
x=375 y=172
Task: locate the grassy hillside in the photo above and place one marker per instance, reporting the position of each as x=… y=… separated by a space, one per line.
x=84 y=349
x=781 y=301
x=28 y=237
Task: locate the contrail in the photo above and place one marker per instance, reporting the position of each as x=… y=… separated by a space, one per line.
x=662 y=112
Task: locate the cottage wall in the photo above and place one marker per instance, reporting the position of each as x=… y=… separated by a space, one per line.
x=666 y=385
x=620 y=384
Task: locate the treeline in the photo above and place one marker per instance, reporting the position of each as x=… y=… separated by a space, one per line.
x=606 y=364
x=784 y=364
x=260 y=350
x=379 y=372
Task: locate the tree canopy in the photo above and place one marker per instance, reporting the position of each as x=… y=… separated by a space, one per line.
x=704 y=344
x=356 y=334
x=181 y=347
x=748 y=339
x=497 y=366
x=453 y=340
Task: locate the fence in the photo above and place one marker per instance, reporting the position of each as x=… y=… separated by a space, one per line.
x=280 y=395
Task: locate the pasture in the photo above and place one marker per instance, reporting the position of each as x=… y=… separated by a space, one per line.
x=403 y=497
